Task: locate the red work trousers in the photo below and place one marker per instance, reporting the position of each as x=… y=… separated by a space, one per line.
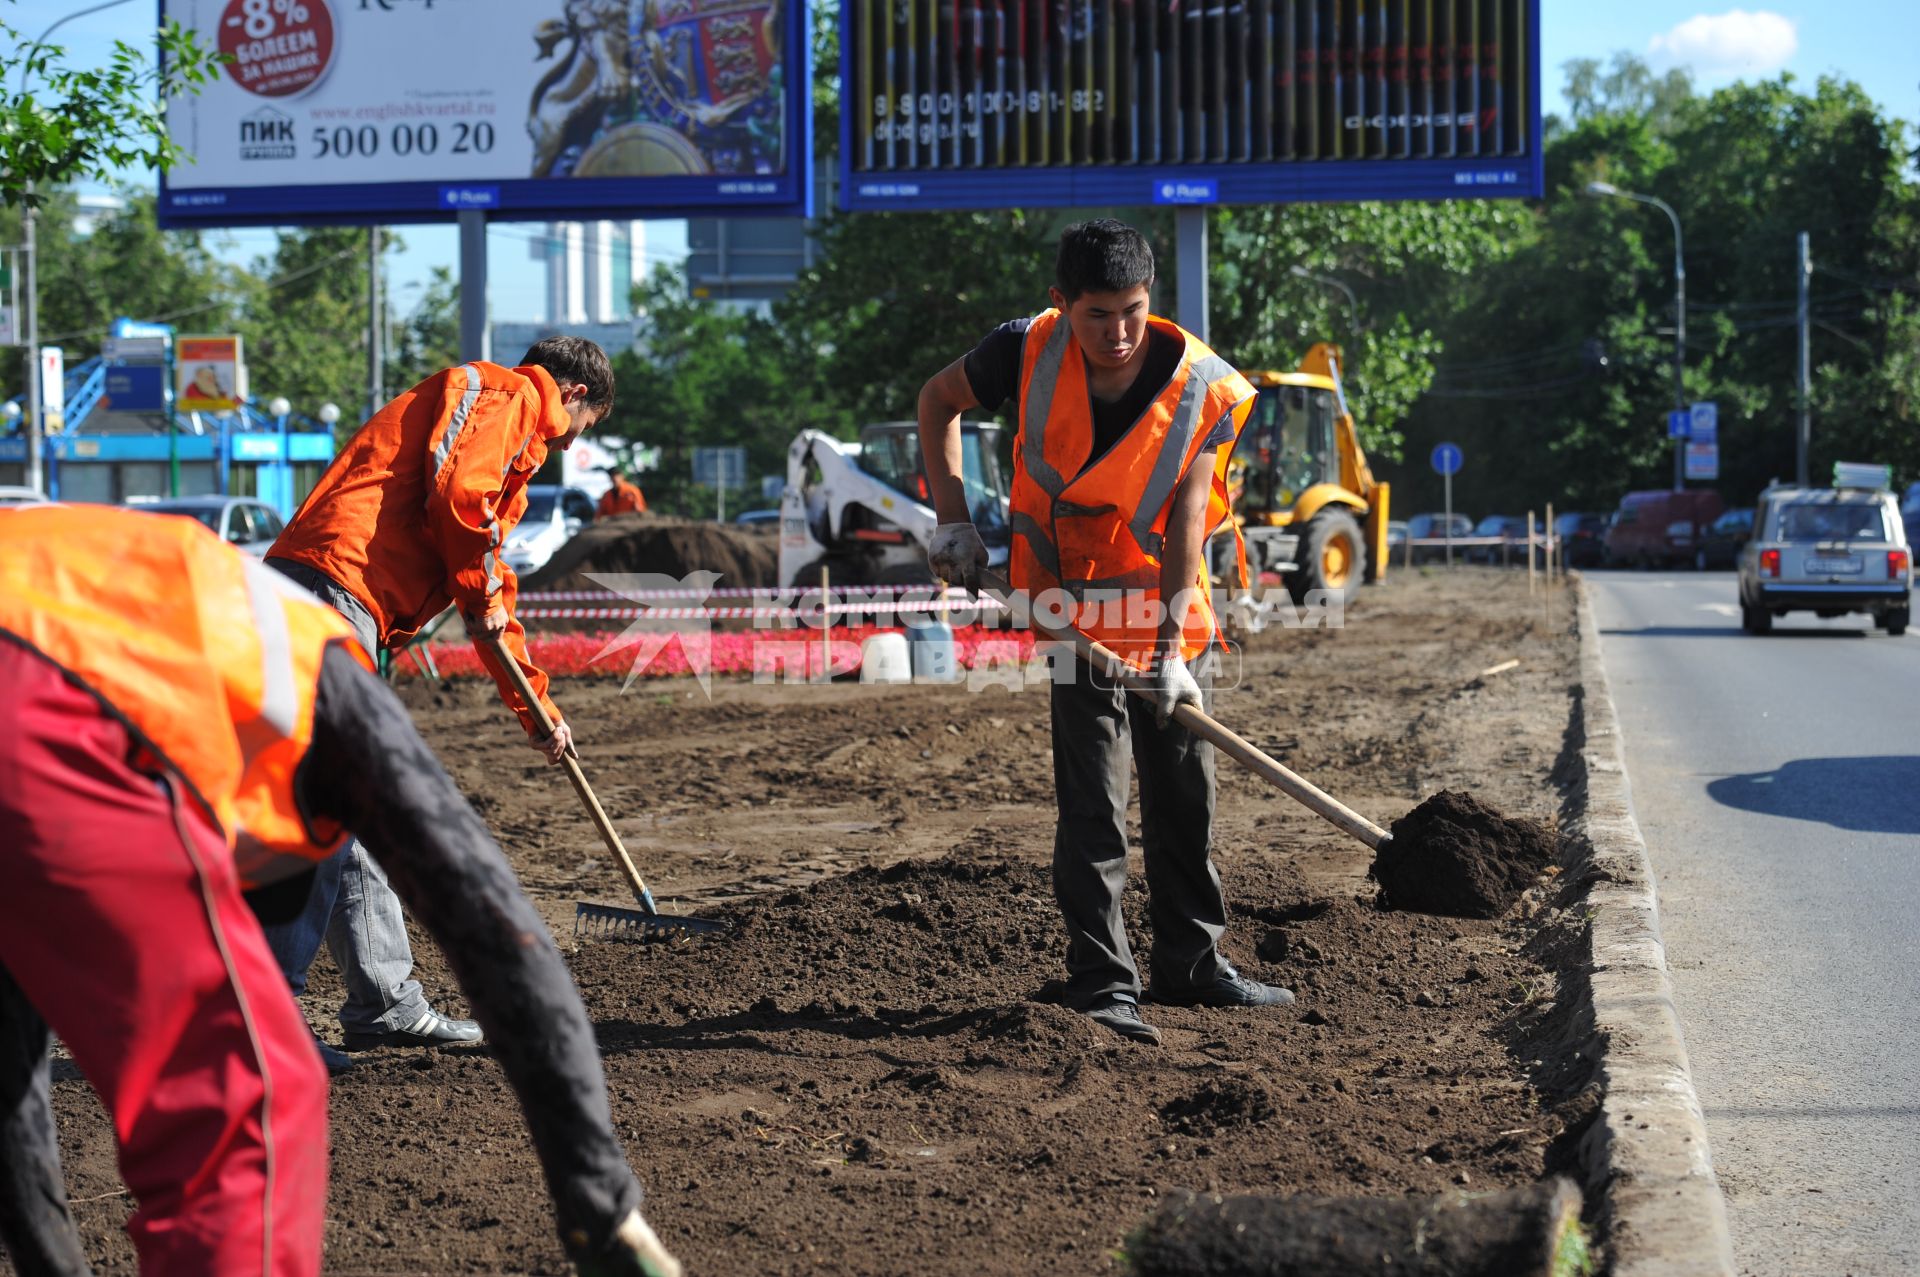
x=122 y=922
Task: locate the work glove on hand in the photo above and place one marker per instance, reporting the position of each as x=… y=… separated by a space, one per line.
x=1173 y=685
x=956 y=554
x=633 y=1252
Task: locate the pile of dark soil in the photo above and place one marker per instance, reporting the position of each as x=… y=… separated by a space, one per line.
x=1455 y=855
x=672 y=547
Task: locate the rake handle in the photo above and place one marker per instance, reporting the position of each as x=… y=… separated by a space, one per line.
x=1208 y=728
x=571 y=762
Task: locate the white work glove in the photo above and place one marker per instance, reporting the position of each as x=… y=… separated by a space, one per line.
x=956 y=554
x=634 y=1252
x=1173 y=686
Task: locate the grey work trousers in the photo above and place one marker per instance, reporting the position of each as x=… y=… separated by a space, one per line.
x=350 y=906
x=1097 y=729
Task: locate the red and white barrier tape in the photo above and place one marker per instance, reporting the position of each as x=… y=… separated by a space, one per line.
x=742 y=613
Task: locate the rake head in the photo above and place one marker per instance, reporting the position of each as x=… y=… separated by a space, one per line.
x=608 y=921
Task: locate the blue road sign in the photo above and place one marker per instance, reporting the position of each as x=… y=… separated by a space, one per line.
x=136 y=388
x=1679 y=423
x=1703 y=423
x=1447 y=458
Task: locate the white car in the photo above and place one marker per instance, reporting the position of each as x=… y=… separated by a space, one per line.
x=554 y=514
x=13 y=494
x=1829 y=551
x=241 y=522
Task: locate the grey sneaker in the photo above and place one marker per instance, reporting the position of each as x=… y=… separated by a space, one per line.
x=1123 y=1017
x=1231 y=990
x=431 y=1029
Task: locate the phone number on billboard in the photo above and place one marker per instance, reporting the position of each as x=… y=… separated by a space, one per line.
x=458 y=138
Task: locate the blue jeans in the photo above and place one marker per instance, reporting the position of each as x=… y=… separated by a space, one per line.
x=353 y=909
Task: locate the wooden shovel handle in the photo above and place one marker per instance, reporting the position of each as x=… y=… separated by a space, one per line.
x=1205 y=726
x=571 y=761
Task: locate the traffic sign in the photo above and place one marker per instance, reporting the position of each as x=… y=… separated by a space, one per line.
x=1703 y=460
x=8 y=330
x=1703 y=422
x=1447 y=459
x=720 y=467
x=1679 y=423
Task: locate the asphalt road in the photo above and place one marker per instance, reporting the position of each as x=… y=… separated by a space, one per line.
x=1777 y=782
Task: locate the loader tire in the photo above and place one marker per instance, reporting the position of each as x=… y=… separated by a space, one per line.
x=1332 y=556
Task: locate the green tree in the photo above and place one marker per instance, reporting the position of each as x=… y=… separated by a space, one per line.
x=1624 y=86
x=305 y=321
x=69 y=123
x=707 y=376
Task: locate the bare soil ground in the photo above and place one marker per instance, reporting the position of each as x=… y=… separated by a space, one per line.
x=870 y=1073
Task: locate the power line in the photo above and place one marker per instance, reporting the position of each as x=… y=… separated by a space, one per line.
x=290 y=278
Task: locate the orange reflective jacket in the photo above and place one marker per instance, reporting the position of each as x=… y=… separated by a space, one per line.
x=411 y=515
x=1096 y=531
x=621 y=498
x=210 y=658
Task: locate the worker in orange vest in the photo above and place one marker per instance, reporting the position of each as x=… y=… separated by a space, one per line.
x=1125 y=423
x=409 y=518
x=621 y=496
x=188 y=734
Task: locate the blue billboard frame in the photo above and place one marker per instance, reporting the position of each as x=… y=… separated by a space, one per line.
x=1270 y=182
x=789 y=194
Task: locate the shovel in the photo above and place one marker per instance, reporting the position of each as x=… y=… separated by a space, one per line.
x=1207 y=728
x=592 y=918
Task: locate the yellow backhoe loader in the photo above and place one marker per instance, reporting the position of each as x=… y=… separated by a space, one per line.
x=1310 y=509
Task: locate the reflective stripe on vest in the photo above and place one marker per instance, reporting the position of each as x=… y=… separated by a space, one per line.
x=1086 y=524
x=458 y=422
x=210 y=658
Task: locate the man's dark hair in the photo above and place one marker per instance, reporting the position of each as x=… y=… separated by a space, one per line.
x=1102 y=256
x=577 y=360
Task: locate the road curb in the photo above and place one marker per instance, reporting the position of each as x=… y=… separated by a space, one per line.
x=1646 y=1154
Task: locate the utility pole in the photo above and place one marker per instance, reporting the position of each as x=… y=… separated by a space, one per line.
x=1803 y=436
x=30 y=333
x=376 y=347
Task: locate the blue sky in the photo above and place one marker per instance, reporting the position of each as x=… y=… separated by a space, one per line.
x=1871 y=41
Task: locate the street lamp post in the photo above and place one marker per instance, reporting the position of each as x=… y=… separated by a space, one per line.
x=1353 y=302
x=30 y=306
x=1600 y=190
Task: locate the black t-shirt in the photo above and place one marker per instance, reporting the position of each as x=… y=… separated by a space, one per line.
x=993 y=370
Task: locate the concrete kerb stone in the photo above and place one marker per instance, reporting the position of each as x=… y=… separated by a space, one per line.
x=1646 y=1151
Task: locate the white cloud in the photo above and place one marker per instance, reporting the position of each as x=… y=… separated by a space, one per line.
x=1734 y=43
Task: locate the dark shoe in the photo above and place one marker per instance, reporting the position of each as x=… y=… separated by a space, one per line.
x=1123 y=1017
x=431 y=1029
x=1231 y=990
x=336 y=1060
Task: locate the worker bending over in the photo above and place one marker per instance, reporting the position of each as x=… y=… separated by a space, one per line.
x=409 y=518
x=183 y=725
x=1116 y=487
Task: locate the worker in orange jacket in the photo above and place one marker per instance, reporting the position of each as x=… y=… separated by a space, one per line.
x=409 y=518
x=621 y=496
x=182 y=727
x=1125 y=423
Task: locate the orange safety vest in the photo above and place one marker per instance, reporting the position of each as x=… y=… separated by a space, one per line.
x=1096 y=531
x=209 y=658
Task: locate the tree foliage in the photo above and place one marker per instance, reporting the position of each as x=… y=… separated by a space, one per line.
x=66 y=123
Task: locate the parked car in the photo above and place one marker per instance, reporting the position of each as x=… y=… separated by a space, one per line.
x=1396 y=538
x=1579 y=538
x=1422 y=526
x=1830 y=551
x=1720 y=547
x=241 y=522
x=757 y=518
x=1661 y=529
x=13 y=494
x=1512 y=531
x=554 y=515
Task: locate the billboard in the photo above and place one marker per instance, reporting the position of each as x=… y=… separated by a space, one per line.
x=385 y=111
x=209 y=374
x=994 y=103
